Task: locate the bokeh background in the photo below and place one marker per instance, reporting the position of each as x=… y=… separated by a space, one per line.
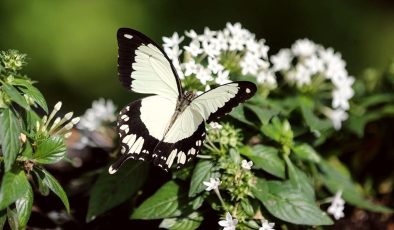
x=72 y=47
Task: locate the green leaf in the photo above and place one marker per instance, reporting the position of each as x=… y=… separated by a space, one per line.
x=12 y=219
x=23 y=207
x=42 y=188
x=16 y=96
x=247 y=207
x=264 y=114
x=306 y=152
x=202 y=172
x=335 y=182
x=315 y=124
x=238 y=113
x=288 y=204
x=300 y=180
x=50 y=150
x=191 y=222
x=36 y=95
x=112 y=190
x=53 y=185
x=3 y=218
x=31 y=120
x=273 y=130
x=10 y=130
x=266 y=158
x=169 y=201
x=13 y=187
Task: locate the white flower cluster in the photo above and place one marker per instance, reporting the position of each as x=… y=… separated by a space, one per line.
x=102 y=111
x=205 y=55
x=306 y=61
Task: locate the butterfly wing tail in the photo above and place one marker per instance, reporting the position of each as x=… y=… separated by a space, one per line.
x=119 y=162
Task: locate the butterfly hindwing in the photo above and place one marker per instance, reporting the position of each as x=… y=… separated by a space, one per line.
x=181 y=152
x=219 y=101
x=135 y=140
x=143 y=66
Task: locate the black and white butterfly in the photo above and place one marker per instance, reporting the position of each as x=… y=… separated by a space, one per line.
x=169 y=126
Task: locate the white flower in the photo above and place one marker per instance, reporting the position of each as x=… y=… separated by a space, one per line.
x=337 y=206
x=173 y=52
x=191 y=34
x=204 y=75
x=102 y=111
x=314 y=64
x=194 y=48
x=266 y=77
x=236 y=43
x=213 y=184
x=172 y=41
x=282 y=60
x=340 y=98
x=251 y=63
x=229 y=223
x=303 y=47
x=302 y=75
x=191 y=67
x=214 y=65
x=265 y=225
x=337 y=117
x=257 y=47
x=211 y=48
x=208 y=35
x=246 y=164
x=223 y=77
x=222 y=40
x=215 y=125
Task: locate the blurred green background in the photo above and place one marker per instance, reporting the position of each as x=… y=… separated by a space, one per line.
x=72 y=47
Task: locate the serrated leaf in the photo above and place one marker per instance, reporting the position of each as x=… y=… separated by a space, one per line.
x=169 y=201
x=16 y=96
x=306 y=152
x=300 y=180
x=266 y=158
x=191 y=222
x=36 y=95
x=288 y=204
x=202 y=172
x=112 y=190
x=53 y=185
x=50 y=150
x=9 y=131
x=23 y=207
x=13 y=187
x=335 y=182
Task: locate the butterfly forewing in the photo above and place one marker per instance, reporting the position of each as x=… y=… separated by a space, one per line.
x=143 y=67
x=219 y=101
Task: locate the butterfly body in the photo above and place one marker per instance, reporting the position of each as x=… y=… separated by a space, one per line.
x=169 y=126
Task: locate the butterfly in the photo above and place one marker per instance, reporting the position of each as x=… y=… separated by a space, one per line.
x=167 y=127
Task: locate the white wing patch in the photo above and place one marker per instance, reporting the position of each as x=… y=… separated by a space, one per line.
x=156 y=113
x=128 y=36
x=211 y=101
x=184 y=126
x=152 y=73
